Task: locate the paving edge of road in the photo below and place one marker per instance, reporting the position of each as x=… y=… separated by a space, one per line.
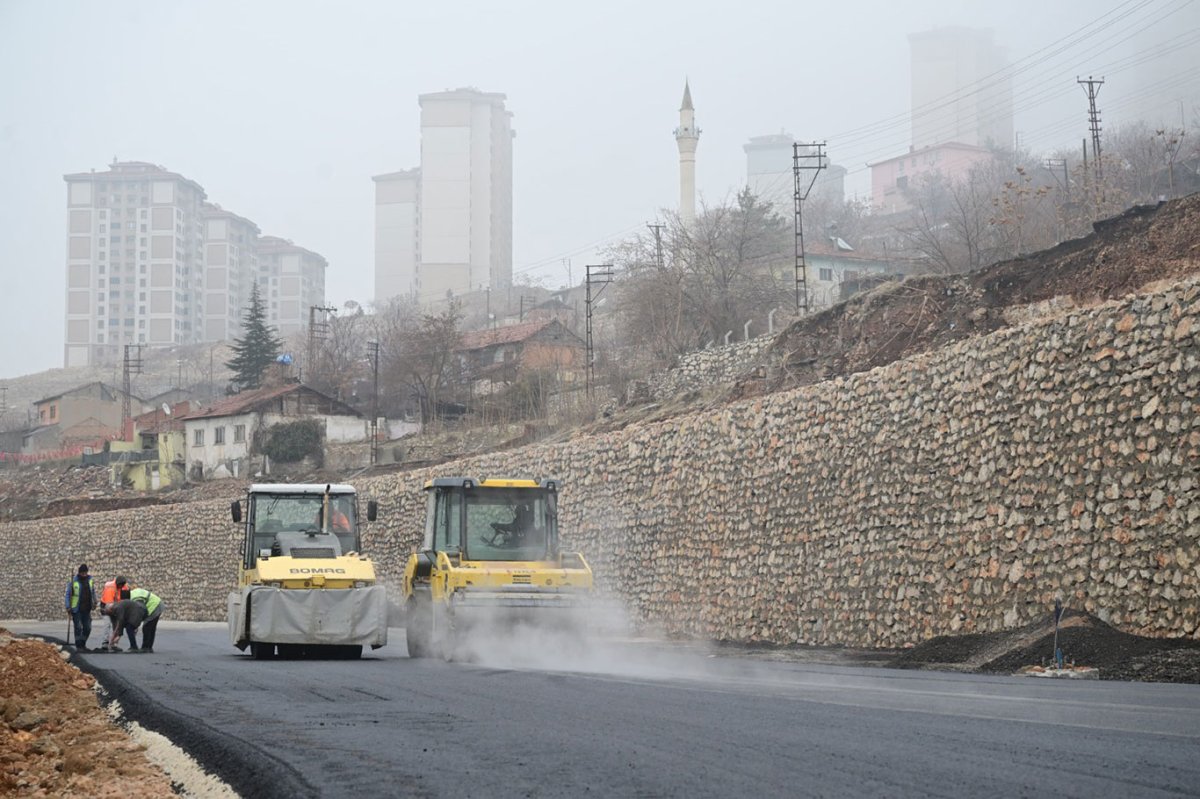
x=249 y=770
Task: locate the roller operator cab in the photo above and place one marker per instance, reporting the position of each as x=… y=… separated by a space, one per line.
x=303 y=585
x=490 y=561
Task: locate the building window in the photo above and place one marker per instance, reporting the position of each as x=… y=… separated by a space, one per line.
x=826 y=275
x=53 y=412
x=239 y=433
x=198 y=438
x=218 y=435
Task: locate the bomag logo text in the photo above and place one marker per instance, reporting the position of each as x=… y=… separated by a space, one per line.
x=318 y=571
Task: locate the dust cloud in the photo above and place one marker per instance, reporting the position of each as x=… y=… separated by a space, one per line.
x=600 y=639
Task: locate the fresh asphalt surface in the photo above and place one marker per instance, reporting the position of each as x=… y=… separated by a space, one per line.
x=640 y=719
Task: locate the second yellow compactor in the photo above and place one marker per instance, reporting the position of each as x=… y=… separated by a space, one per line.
x=491 y=558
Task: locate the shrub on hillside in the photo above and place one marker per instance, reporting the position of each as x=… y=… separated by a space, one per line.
x=290 y=442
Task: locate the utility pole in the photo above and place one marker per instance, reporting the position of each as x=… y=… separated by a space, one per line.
x=657 y=230
x=532 y=302
x=318 y=329
x=1052 y=165
x=804 y=160
x=598 y=275
x=570 y=279
x=1092 y=88
x=131 y=365
x=373 y=354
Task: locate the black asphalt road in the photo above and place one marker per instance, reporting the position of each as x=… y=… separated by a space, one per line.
x=637 y=719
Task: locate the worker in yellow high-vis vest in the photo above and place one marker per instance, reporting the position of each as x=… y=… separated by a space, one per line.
x=154 y=607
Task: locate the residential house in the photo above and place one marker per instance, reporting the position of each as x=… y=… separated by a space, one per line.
x=84 y=416
x=155 y=457
x=219 y=438
x=497 y=356
x=836 y=272
x=892 y=178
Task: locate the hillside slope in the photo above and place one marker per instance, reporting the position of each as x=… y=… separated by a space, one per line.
x=1144 y=245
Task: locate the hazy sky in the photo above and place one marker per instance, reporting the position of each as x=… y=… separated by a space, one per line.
x=282 y=111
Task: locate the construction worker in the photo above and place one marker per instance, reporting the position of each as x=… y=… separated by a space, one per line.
x=109 y=596
x=80 y=599
x=154 y=606
x=127 y=615
x=339 y=521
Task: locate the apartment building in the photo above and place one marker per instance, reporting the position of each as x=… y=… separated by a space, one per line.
x=397 y=223
x=446 y=228
x=291 y=280
x=230 y=270
x=150 y=262
x=960 y=92
x=134 y=251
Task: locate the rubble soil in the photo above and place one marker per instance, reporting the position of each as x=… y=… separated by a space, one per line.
x=1085 y=640
x=56 y=739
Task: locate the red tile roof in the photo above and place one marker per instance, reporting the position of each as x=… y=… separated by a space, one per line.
x=243 y=402
x=248 y=401
x=511 y=334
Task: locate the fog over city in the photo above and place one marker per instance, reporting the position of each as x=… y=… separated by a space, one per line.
x=283 y=111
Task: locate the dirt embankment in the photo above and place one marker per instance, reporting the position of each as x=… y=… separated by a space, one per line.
x=1084 y=640
x=56 y=740
x=1144 y=245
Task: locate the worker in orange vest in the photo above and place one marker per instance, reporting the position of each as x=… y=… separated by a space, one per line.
x=114 y=591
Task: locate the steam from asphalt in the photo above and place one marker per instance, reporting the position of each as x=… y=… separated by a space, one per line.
x=600 y=640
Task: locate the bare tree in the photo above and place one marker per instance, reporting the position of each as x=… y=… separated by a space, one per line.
x=338 y=358
x=713 y=276
x=418 y=362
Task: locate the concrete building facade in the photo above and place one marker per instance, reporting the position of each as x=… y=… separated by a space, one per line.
x=150 y=262
x=446 y=228
x=230 y=269
x=291 y=279
x=893 y=177
x=134 y=253
x=957 y=95
x=397 y=223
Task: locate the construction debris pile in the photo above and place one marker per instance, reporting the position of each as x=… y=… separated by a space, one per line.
x=1084 y=639
x=46 y=491
x=56 y=740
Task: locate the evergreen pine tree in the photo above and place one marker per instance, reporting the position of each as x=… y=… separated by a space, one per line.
x=257 y=348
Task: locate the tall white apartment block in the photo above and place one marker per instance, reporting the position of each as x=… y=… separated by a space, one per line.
x=134 y=252
x=291 y=280
x=446 y=228
x=230 y=269
x=957 y=95
x=150 y=262
x=397 y=223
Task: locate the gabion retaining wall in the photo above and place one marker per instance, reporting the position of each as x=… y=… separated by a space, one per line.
x=960 y=490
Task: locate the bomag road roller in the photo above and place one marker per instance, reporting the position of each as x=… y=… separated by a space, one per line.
x=490 y=562
x=303 y=586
